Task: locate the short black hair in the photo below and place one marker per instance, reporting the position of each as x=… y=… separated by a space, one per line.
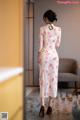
x=51 y=15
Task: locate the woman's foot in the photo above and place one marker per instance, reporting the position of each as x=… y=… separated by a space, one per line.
x=41 y=113
x=49 y=110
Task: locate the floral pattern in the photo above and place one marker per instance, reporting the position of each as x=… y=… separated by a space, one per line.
x=48 y=60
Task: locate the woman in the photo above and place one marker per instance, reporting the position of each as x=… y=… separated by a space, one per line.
x=50 y=37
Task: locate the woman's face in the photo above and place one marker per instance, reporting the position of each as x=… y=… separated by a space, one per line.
x=46 y=20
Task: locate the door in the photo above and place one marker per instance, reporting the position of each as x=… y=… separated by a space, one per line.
x=29 y=42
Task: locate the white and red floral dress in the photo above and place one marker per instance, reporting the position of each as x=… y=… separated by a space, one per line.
x=50 y=37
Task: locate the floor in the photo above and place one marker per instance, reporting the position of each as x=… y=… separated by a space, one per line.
x=33 y=107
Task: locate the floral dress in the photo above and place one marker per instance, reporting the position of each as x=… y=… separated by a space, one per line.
x=50 y=37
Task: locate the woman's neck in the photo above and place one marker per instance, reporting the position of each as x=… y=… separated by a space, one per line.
x=49 y=23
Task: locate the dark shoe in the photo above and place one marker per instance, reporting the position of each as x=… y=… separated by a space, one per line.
x=49 y=111
x=41 y=113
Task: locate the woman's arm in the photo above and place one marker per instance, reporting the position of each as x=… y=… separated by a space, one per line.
x=58 y=38
x=41 y=36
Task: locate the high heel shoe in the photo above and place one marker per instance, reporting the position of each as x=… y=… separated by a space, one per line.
x=41 y=113
x=49 y=111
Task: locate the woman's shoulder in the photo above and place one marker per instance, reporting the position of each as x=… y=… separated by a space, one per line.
x=58 y=28
x=43 y=27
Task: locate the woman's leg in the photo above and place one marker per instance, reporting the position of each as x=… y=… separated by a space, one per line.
x=49 y=110
x=50 y=101
x=41 y=113
x=42 y=101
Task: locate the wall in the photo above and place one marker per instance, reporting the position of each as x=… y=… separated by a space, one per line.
x=11 y=35
x=11 y=100
x=68 y=20
x=11 y=55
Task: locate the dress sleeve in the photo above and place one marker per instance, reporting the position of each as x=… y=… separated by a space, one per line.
x=41 y=36
x=58 y=38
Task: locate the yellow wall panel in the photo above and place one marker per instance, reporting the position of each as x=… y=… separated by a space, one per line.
x=11 y=32
x=11 y=97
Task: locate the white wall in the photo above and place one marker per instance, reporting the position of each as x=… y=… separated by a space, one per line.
x=68 y=20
